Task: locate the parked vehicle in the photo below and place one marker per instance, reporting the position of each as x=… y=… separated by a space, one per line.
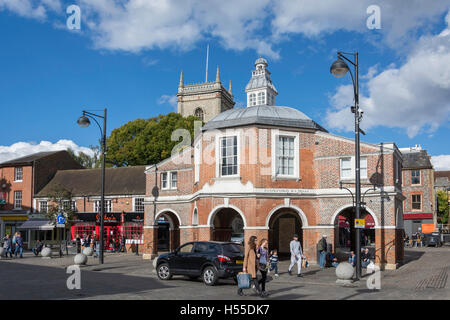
x=209 y=259
x=432 y=239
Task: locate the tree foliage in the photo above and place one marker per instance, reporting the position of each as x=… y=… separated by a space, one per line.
x=443 y=206
x=60 y=200
x=87 y=161
x=141 y=142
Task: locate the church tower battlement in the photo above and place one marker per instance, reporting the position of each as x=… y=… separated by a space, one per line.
x=204 y=100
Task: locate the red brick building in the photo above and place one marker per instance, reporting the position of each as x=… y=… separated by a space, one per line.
x=21 y=179
x=124 y=201
x=271 y=171
x=418 y=188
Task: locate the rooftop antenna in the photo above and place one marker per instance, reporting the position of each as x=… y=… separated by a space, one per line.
x=207 y=57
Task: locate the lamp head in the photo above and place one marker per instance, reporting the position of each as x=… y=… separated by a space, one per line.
x=83 y=121
x=339 y=68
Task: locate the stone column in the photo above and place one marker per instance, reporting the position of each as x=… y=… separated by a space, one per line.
x=259 y=232
x=204 y=233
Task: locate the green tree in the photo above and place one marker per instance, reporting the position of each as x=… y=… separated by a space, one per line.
x=443 y=206
x=86 y=160
x=141 y=142
x=60 y=201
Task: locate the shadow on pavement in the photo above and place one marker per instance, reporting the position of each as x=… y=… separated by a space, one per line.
x=21 y=281
x=411 y=255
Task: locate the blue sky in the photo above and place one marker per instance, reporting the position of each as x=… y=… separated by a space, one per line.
x=128 y=56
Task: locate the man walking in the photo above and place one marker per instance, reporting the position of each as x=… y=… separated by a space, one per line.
x=322 y=246
x=296 y=255
x=19 y=246
x=7 y=244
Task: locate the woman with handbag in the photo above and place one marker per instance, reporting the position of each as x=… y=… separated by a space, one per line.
x=250 y=263
x=263 y=261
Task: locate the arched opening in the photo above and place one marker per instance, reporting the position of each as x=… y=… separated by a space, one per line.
x=168 y=231
x=199 y=113
x=227 y=225
x=345 y=232
x=283 y=224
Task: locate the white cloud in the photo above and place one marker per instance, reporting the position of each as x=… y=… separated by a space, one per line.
x=31 y=8
x=21 y=149
x=169 y=99
x=414 y=96
x=313 y=18
x=441 y=162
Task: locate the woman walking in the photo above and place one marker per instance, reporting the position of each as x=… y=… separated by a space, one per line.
x=7 y=244
x=263 y=258
x=250 y=263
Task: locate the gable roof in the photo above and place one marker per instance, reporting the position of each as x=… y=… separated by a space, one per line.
x=29 y=159
x=87 y=182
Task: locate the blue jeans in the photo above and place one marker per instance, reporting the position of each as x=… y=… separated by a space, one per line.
x=323 y=254
x=8 y=250
x=274 y=266
x=364 y=264
x=20 y=250
x=334 y=264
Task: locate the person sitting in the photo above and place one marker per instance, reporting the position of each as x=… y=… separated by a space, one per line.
x=332 y=261
x=38 y=247
x=352 y=258
x=365 y=258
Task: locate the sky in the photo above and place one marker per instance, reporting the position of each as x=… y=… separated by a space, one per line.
x=127 y=56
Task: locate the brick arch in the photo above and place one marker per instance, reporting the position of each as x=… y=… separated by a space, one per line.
x=299 y=212
x=173 y=214
x=338 y=211
x=216 y=209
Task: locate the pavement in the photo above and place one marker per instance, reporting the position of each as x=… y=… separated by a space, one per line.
x=127 y=276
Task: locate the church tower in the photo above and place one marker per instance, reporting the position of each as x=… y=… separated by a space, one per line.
x=204 y=100
x=260 y=89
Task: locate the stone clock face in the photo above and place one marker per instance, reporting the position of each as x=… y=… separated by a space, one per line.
x=237 y=225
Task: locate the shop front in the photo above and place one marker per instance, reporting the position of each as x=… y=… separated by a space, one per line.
x=10 y=224
x=116 y=226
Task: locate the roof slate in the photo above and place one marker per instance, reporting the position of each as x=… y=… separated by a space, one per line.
x=87 y=182
x=29 y=159
x=416 y=160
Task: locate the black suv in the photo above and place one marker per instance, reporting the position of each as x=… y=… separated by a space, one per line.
x=209 y=259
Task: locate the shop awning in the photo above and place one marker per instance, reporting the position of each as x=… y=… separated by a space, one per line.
x=37 y=225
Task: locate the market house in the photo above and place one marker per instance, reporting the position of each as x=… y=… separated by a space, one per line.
x=271 y=171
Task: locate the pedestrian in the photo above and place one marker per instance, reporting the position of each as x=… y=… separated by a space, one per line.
x=263 y=260
x=78 y=243
x=322 y=247
x=365 y=258
x=7 y=245
x=296 y=255
x=332 y=261
x=13 y=242
x=414 y=240
x=274 y=261
x=352 y=258
x=19 y=246
x=250 y=265
x=37 y=247
x=122 y=247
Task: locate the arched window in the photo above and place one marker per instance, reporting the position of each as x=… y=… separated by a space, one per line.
x=261 y=98
x=199 y=113
x=195 y=217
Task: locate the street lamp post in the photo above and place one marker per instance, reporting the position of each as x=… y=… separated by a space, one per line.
x=84 y=122
x=339 y=68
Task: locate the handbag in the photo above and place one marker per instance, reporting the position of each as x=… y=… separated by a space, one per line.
x=244 y=280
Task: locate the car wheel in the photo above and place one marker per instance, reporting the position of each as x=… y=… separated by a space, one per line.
x=163 y=272
x=210 y=276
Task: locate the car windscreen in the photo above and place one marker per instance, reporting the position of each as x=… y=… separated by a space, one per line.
x=232 y=249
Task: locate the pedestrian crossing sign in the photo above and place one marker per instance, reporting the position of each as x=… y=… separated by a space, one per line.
x=360 y=223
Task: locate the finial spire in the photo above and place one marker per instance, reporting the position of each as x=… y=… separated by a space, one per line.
x=217 y=75
x=181 y=79
x=230 y=90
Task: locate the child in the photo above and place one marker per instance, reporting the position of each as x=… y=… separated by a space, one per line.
x=273 y=259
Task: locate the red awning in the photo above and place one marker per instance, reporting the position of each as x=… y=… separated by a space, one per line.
x=412 y=216
x=344 y=223
x=370 y=223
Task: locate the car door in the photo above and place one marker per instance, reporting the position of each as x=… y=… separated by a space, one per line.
x=180 y=262
x=199 y=257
